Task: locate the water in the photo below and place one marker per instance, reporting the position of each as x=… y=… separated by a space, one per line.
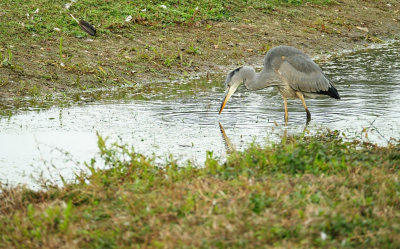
x=182 y=119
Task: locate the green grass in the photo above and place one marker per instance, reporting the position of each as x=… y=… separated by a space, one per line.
x=305 y=192
x=40 y=18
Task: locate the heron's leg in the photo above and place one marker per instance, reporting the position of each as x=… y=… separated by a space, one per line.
x=286 y=111
x=301 y=97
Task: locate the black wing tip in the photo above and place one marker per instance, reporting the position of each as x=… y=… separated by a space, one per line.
x=332 y=92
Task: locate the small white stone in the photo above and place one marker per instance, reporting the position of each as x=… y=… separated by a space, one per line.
x=323 y=236
x=363 y=29
x=163 y=6
x=128 y=18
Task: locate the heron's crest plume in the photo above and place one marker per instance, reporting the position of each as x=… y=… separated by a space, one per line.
x=231 y=75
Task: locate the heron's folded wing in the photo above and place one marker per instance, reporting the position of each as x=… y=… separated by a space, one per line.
x=302 y=74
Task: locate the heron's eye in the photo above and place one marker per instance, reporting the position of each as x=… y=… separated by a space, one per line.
x=227 y=84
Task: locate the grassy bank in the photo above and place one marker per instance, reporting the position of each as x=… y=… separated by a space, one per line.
x=44 y=52
x=304 y=192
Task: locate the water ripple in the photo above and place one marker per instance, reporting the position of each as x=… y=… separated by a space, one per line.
x=187 y=126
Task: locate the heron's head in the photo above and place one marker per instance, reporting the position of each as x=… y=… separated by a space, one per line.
x=232 y=82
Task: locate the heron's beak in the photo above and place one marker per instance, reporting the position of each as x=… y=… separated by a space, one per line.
x=229 y=92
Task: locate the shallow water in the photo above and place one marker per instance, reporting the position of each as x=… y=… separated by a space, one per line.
x=182 y=119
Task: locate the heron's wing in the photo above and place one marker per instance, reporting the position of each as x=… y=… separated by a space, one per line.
x=302 y=74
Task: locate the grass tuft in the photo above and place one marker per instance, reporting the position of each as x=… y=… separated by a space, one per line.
x=305 y=192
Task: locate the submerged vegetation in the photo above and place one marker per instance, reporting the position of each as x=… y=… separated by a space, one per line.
x=305 y=192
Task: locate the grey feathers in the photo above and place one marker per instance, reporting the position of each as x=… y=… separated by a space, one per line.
x=305 y=81
x=290 y=70
x=85 y=26
x=298 y=71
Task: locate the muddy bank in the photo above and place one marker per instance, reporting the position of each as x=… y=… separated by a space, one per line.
x=134 y=54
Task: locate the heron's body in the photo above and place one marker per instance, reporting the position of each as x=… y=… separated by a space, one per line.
x=288 y=69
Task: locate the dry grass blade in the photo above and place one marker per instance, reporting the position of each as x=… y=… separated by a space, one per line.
x=87 y=27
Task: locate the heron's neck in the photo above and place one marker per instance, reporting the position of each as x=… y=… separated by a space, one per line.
x=255 y=81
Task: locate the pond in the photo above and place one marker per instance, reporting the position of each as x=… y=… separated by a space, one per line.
x=181 y=119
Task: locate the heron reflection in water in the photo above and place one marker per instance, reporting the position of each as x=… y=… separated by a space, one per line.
x=230 y=147
x=288 y=69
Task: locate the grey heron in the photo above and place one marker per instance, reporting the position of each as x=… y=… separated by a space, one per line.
x=288 y=69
